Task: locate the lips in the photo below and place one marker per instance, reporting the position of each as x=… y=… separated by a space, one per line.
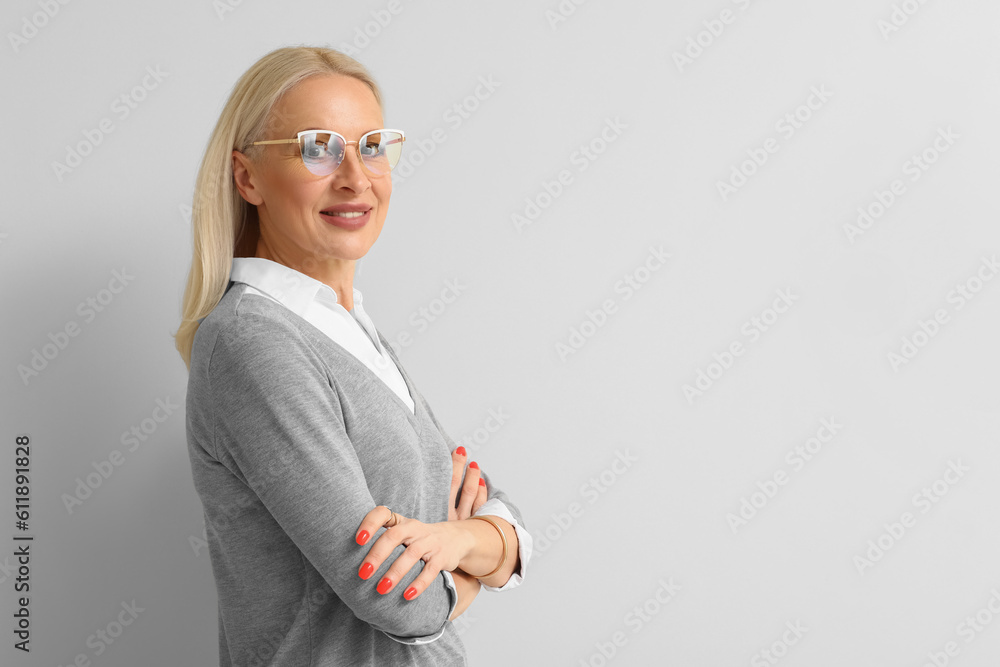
x=347 y=215
x=348 y=208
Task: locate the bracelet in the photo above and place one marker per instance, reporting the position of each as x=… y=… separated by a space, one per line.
x=502 y=537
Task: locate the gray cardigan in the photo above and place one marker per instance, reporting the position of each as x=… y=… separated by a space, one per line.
x=292 y=440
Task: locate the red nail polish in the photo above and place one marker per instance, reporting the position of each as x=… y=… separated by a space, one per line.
x=482 y=482
x=384 y=585
x=474 y=465
x=460 y=451
x=366 y=570
x=362 y=537
x=410 y=593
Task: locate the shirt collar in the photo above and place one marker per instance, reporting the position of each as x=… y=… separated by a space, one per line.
x=293 y=289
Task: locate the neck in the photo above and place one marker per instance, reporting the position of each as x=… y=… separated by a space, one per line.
x=337 y=273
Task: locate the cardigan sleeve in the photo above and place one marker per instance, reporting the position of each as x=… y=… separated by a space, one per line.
x=279 y=428
x=498 y=504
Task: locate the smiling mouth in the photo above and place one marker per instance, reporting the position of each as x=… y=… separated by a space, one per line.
x=345 y=214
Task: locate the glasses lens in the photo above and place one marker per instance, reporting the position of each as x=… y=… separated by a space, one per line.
x=322 y=152
x=380 y=150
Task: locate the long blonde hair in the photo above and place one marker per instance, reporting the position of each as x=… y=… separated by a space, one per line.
x=224 y=225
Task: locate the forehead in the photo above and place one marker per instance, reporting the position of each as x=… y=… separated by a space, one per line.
x=330 y=102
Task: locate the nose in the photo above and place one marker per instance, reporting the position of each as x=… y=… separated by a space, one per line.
x=350 y=174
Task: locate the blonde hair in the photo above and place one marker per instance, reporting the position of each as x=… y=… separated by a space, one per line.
x=224 y=225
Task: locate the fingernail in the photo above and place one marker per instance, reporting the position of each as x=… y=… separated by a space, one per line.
x=410 y=593
x=460 y=451
x=384 y=585
x=362 y=537
x=366 y=570
x=482 y=482
x=474 y=465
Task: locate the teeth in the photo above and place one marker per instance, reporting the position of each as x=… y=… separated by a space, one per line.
x=346 y=214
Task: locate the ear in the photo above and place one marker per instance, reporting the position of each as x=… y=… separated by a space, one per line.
x=243 y=177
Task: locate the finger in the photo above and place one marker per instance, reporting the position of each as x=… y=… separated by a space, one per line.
x=381 y=549
x=481 y=497
x=401 y=566
x=469 y=491
x=426 y=577
x=421 y=583
x=375 y=519
x=457 y=467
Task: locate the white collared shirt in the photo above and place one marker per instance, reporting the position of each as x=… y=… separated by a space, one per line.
x=317 y=303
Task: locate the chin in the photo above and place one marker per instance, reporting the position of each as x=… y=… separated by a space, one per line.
x=351 y=252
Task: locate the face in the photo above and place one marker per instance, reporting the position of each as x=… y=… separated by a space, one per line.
x=289 y=198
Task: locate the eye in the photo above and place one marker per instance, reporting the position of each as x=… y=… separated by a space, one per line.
x=371 y=149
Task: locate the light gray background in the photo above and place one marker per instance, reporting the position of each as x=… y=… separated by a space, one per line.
x=661 y=519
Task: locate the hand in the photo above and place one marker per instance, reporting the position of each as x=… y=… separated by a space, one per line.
x=473 y=491
x=440 y=545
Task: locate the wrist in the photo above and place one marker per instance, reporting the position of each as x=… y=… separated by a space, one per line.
x=459 y=572
x=491 y=550
x=468 y=536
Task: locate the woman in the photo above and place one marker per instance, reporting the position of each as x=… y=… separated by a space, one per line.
x=343 y=525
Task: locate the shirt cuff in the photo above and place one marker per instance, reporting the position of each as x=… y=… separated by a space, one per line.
x=449 y=582
x=495 y=507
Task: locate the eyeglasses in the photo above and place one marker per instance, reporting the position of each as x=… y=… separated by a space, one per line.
x=323 y=150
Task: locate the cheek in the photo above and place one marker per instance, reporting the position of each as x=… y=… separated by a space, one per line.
x=382 y=193
x=292 y=192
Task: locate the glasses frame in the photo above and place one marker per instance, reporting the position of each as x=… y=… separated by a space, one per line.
x=357 y=147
